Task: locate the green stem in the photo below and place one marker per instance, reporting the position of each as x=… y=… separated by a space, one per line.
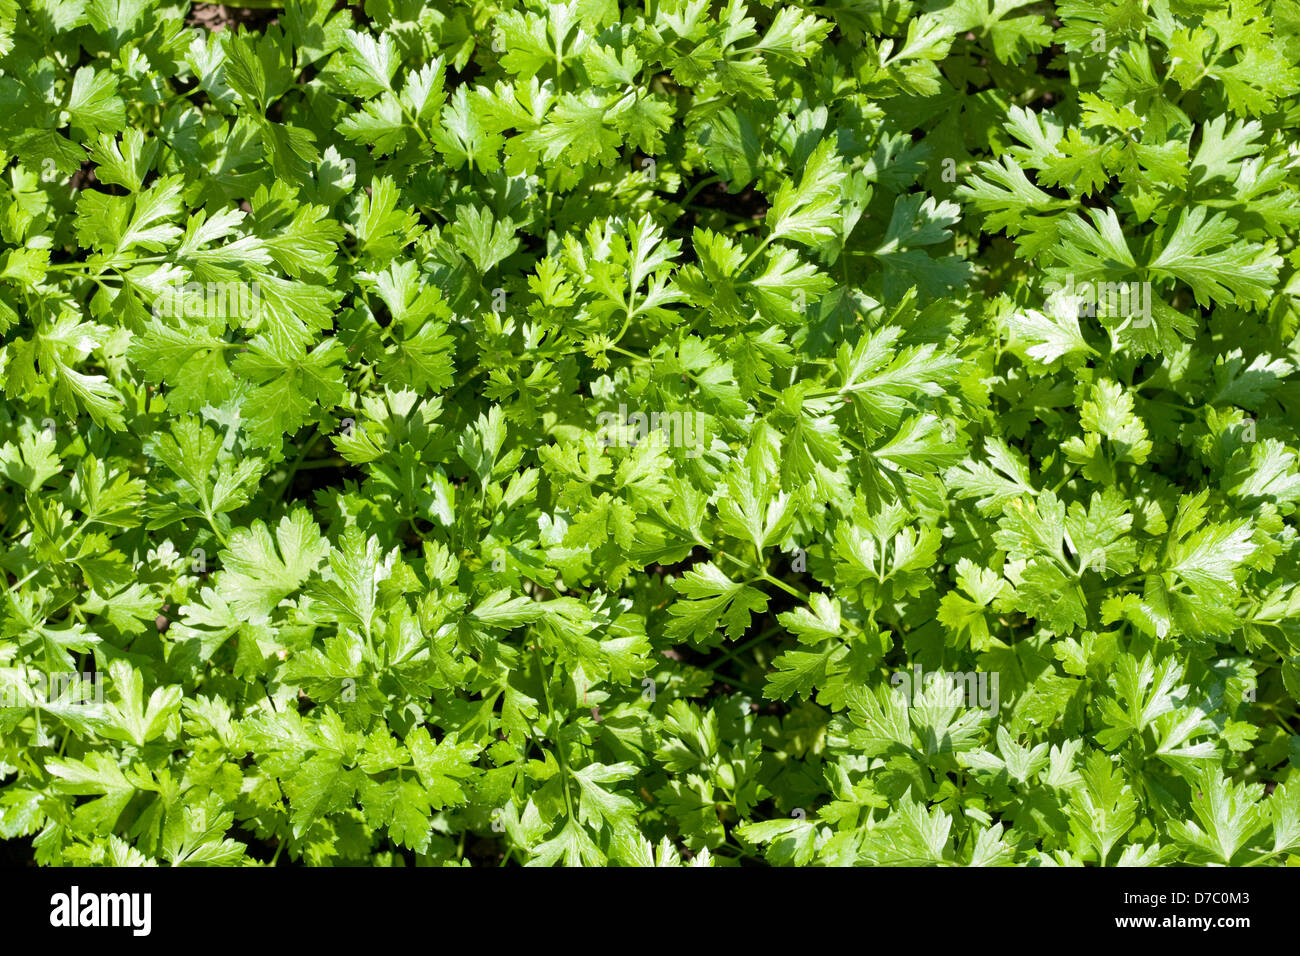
x=788 y=588
x=742 y=685
x=559 y=744
x=739 y=649
x=754 y=255
x=307 y=446
x=695 y=190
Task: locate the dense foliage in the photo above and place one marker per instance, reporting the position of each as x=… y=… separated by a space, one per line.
x=485 y=432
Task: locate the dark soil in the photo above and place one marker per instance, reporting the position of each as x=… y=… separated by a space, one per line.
x=746 y=204
x=16 y=853
x=217 y=16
